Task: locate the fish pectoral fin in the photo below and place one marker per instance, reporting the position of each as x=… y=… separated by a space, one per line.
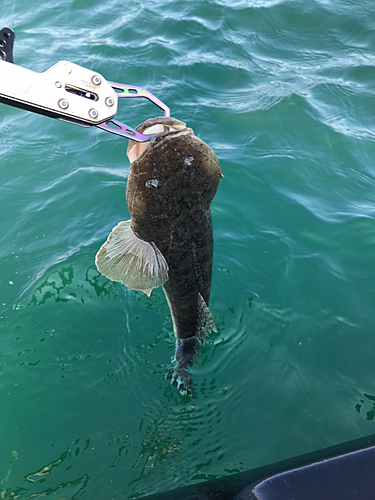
x=136 y=263
x=206 y=323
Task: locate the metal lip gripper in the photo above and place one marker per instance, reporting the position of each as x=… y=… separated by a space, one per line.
x=68 y=92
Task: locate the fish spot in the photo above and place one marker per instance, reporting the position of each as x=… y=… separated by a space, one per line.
x=152 y=183
x=189 y=160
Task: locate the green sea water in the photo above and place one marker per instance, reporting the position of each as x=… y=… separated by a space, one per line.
x=283 y=91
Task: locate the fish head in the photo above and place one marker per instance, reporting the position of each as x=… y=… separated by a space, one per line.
x=169 y=174
x=149 y=169
x=161 y=128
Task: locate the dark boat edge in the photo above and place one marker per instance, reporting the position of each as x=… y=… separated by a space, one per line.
x=230 y=487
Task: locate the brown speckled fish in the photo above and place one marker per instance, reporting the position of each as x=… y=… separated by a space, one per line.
x=169 y=241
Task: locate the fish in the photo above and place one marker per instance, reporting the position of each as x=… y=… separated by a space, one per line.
x=168 y=240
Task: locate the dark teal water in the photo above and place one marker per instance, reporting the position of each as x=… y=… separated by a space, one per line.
x=283 y=91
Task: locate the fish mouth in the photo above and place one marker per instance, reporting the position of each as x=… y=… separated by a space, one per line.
x=161 y=127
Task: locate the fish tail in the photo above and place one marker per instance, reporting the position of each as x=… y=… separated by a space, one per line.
x=187 y=350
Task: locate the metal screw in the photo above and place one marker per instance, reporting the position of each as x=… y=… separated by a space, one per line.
x=93 y=113
x=63 y=103
x=109 y=101
x=96 y=80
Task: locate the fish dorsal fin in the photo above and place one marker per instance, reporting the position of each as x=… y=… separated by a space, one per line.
x=197 y=269
x=206 y=323
x=136 y=263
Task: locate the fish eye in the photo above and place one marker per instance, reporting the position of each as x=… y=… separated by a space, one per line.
x=152 y=183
